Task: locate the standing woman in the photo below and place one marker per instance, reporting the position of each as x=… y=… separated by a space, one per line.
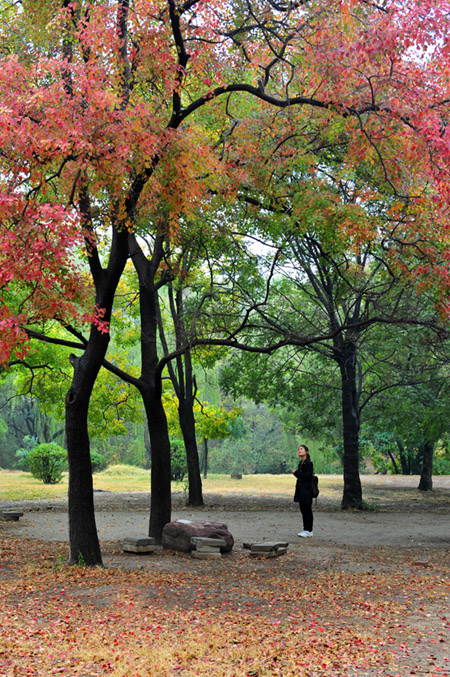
x=303 y=492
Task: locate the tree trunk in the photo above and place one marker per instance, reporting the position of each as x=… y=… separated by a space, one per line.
x=404 y=458
x=352 y=496
x=148 y=446
x=83 y=537
x=160 y=499
x=150 y=386
x=187 y=424
x=426 y=475
x=205 y=457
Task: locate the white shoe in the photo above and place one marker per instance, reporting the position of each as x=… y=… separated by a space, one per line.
x=305 y=534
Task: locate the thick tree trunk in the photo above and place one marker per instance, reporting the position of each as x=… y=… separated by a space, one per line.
x=161 y=499
x=426 y=475
x=83 y=537
x=352 y=496
x=187 y=424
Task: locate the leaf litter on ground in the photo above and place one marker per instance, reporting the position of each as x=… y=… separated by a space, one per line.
x=361 y=612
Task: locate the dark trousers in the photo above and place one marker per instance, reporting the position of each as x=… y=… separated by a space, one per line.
x=307 y=514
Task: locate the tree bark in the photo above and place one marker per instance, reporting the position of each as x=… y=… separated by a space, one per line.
x=352 y=495
x=150 y=386
x=183 y=380
x=83 y=536
x=205 y=457
x=187 y=424
x=426 y=475
x=148 y=446
x=160 y=487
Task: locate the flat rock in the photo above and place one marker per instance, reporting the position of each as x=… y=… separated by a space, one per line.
x=147 y=540
x=143 y=545
x=205 y=555
x=178 y=535
x=268 y=553
x=267 y=546
x=200 y=541
x=10 y=515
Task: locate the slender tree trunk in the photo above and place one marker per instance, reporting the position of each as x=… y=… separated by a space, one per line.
x=150 y=386
x=404 y=458
x=426 y=475
x=205 y=457
x=352 y=496
x=394 y=462
x=187 y=424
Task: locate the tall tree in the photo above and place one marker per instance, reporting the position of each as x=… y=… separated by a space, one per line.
x=96 y=97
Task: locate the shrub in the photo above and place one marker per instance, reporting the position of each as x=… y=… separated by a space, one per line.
x=98 y=462
x=178 y=463
x=47 y=462
x=21 y=457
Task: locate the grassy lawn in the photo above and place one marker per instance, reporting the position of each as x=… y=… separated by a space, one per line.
x=18 y=485
x=378 y=490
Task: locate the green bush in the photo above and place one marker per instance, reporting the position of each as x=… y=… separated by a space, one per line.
x=178 y=463
x=21 y=457
x=98 y=462
x=47 y=462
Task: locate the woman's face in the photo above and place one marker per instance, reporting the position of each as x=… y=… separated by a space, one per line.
x=302 y=451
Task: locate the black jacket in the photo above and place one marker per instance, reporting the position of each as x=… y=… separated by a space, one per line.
x=304 y=472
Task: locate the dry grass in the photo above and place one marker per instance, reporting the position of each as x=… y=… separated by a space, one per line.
x=378 y=490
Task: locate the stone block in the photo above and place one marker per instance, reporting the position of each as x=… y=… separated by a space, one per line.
x=178 y=535
x=267 y=546
x=200 y=541
x=268 y=553
x=10 y=515
x=140 y=545
x=206 y=548
x=205 y=555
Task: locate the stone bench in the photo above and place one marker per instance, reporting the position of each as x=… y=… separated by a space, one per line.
x=10 y=515
x=178 y=535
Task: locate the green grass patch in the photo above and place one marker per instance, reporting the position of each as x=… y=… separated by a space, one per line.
x=16 y=485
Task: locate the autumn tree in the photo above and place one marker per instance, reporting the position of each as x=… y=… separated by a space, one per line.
x=102 y=118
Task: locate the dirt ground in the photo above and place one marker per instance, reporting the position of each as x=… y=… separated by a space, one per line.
x=404 y=519
x=398 y=556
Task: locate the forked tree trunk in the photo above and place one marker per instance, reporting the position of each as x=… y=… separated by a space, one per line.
x=83 y=538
